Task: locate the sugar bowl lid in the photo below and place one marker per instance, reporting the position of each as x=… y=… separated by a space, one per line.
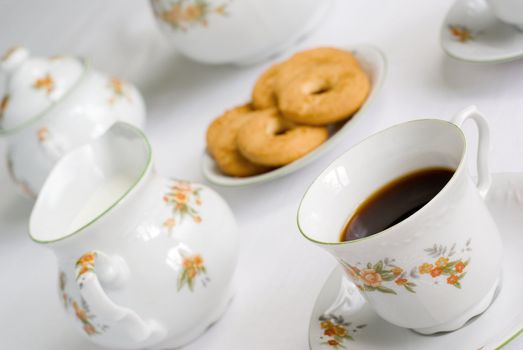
x=34 y=84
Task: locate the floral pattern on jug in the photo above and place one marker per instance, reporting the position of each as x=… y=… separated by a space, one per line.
x=80 y=309
x=192 y=268
x=460 y=33
x=336 y=331
x=184 y=199
x=379 y=277
x=184 y=14
x=85 y=264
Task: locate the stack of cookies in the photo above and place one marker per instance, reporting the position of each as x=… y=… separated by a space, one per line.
x=293 y=103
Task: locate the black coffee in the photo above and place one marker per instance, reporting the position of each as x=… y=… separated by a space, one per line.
x=395 y=202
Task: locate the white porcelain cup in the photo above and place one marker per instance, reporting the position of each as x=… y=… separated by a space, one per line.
x=439 y=267
x=510 y=11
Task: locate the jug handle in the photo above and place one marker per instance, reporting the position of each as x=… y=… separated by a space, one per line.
x=484 y=176
x=94 y=266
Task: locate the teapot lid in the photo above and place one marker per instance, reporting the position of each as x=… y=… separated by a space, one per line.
x=33 y=84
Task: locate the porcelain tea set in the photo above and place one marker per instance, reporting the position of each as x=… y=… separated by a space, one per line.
x=145 y=261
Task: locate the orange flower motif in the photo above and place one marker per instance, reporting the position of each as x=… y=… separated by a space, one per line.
x=425 y=268
x=180 y=197
x=435 y=272
x=221 y=9
x=197 y=219
x=397 y=271
x=165 y=199
x=193 y=12
x=442 y=262
x=333 y=342
x=329 y=332
x=117 y=86
x=340 y=331
x=198 y=261
x=87 y=258
x=198 y=201
x=370 y=277
x=187 y=262
x=173 y=15
x=326 y=324
x=453 y=279
x=461 y=34
x=401 y=281
x=42 y=134
x=460 y=266
x=89 y=329
x=45 y=83
x=79 y=312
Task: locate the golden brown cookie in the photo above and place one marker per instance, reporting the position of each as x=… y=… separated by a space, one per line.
x=263 y=92
x=321 y=86
x=270 y=140
x=221 y=143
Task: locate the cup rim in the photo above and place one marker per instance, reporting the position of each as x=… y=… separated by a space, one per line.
x=142 y=175
x=379 y=234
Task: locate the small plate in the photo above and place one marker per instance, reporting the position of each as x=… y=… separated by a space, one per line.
x=472 y=33
x=363 y=329
x=372 y=61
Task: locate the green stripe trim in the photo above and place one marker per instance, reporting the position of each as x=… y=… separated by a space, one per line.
x=517 y=334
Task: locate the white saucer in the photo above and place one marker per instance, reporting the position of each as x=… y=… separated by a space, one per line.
x=470 y=32
x=497 y=327
x=372 y=60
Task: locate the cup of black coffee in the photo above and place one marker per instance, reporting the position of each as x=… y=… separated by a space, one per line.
x=383 y=206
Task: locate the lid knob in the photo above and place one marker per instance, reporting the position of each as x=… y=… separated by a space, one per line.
x=13 y=57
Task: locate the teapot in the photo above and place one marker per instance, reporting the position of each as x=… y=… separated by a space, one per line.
x=144 y=261
x=52 y=105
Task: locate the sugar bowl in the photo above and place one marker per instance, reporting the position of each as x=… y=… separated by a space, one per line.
x=52 y=105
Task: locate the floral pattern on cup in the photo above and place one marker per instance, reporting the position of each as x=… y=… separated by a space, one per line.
x=118 y=91
x=184 y=199
x=85 y=264
x=336 y=331
x=385 y=276
x=45 y=83
x=192 y=268
x=444 y=267
x=380 y=277
x=181 y=15
x=460 y=33
x=80 y=309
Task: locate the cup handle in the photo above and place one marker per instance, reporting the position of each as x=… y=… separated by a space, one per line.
x=484 y=177
x=113 y=271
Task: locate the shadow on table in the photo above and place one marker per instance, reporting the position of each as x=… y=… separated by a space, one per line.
x=477 y=79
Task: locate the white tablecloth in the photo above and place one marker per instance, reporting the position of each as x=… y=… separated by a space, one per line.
x=280 y=273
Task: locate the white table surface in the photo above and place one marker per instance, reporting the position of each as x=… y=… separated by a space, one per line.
x=280 y=273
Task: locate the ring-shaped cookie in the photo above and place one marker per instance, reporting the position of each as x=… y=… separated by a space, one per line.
x=321 y=86
x=263 y=93
x=221 y=143
x=270 y=140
